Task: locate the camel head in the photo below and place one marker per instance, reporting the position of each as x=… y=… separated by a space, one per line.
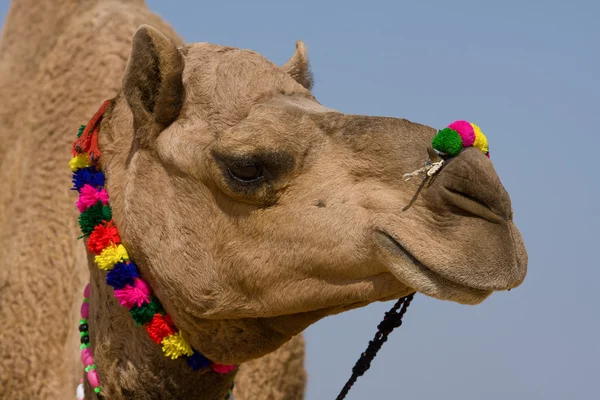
x=254 y=211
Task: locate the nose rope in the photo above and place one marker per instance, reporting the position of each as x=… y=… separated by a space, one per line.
x=449 y=142
x=392 y=319
x=430 y=169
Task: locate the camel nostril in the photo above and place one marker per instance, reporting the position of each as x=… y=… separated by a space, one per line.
x=468 y=184
x=463 y=203
x=469 y=197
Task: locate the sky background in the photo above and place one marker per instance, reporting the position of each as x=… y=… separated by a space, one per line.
x=528 y=73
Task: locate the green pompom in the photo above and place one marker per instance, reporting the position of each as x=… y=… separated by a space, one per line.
x=448 y=141
x=144 y=314
x=94 y=216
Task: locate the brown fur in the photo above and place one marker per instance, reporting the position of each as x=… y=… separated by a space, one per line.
x=275 y=376
x=59 y=61
x=244 y=267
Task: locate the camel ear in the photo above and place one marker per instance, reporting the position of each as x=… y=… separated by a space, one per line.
x=152 y=84
x=298 y=66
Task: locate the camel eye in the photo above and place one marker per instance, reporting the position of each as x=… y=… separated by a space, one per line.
x=246 y=173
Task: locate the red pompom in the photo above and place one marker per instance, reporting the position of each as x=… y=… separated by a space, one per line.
x=103 y=236
x=159 y=328
x=222 y=368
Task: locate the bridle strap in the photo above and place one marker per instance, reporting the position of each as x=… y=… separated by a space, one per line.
x=392 y=319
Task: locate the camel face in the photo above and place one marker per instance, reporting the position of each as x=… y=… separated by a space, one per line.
x=254 y=211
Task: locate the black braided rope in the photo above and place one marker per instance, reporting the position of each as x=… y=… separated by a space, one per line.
x=392 y=319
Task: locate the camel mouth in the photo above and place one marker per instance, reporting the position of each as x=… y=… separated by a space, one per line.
x=409 y=270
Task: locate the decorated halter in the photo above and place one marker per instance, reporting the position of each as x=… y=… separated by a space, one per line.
x=449 y=142
x=103 y=240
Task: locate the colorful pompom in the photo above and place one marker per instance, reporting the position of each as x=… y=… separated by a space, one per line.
x=88 y=176
x=222 y=368
x=175 y=346
x=480 y=140
x=89 y=196
x=144 y=314
x=107 y=259
x=122 y=274
x=79 y=161
x=458 y=135
x=135 y=295
x=93 y=216
x=448 y=142
x=198 y=361
x=159 y=328
x=103 y=235
x=465 y=130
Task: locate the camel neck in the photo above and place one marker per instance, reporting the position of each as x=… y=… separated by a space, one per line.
x=130 y=365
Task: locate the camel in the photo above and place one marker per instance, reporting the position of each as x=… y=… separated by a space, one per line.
x=252 y=210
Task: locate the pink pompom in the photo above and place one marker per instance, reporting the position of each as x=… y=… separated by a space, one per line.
x=86 y=291
x=89 y=196
x=222 y=368
x=93 y=379
x=86 y=357
x=85 y=310
x=465 y=130
x=134 y=296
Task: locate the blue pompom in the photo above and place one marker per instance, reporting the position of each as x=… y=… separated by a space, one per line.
x=122 y=275
x=88 y=175
x=198 y=361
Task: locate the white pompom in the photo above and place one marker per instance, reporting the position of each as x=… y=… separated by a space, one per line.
x=80 y=392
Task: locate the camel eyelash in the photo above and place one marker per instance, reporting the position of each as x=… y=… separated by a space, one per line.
x=254 y=169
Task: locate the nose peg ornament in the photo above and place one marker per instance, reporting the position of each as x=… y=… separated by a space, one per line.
x=448 y=143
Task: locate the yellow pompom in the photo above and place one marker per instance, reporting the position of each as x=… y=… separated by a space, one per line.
x=79 y=161
x=110 y=256
x=480 y=140
x=175 y=346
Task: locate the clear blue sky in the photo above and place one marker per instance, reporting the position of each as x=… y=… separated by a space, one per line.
x=528 y=72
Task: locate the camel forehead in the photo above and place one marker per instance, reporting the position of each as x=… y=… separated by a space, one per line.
x=203 y=50
x=223 y=84
x=211 y=59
